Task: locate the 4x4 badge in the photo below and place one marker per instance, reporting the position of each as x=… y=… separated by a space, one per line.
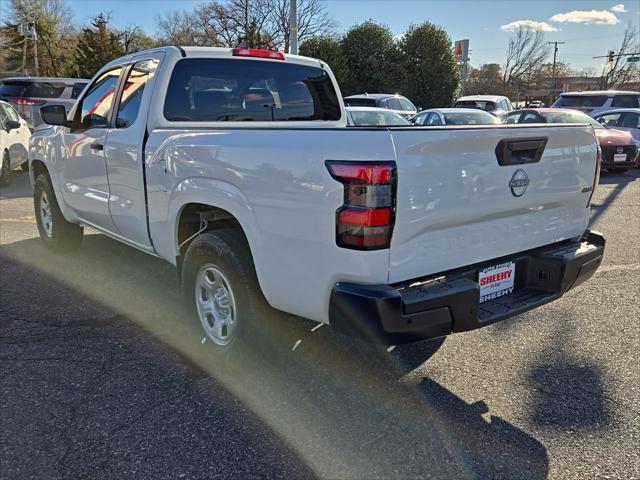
x=519 y=183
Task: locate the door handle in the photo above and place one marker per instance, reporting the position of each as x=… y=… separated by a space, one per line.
x=96 y=146
x=520 y=151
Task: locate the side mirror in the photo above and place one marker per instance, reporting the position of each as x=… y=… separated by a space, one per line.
x=55 y=115
x=11 y=125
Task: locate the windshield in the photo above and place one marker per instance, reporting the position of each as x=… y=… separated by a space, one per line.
x=572 y=117
x=470 y=118
x=12 y=88
x=581 y=101
x=374 y=118
x=478 y=104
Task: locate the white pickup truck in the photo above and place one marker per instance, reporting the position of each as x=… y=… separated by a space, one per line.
x=237 y=166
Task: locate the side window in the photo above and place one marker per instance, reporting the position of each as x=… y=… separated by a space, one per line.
x=394 y=104
x=513 y=118
x=434 y=119
x=610 y=119
x=383 y=104
x=77 y=88
x=11 y=114
x=96 y=104
x=530 y=118
x=631 y=120
x=132 y=92
x=625 y=101
x=422 y=118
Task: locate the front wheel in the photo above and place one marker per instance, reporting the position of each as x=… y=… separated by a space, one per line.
x=219 y=283
x=5 y=170
x=56 y=232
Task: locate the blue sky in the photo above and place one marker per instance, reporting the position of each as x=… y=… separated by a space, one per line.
x=589 y=28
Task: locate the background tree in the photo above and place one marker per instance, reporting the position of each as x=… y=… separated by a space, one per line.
x=526 y=53
x=133 y=39
x=329 y=50
x=97 y=45
x=620 y=72
x=55 y=33
x=369 y=49
x=430 y=72
x=313 y=21
x=485 y=80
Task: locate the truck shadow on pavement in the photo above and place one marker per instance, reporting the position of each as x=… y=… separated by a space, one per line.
x=104 y=374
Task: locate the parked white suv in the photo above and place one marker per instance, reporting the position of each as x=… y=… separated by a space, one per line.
x=494 y=104
x=598 y=101
x=238 y=167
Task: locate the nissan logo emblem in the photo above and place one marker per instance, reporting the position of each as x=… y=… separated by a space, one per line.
x=519 y=183
x=620 y=150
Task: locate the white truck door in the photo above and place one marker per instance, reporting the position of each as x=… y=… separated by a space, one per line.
x=85 y=187
x=124 y=155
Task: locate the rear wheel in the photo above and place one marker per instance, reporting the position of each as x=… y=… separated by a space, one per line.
x=5 y=170
x=56 y=232
x=220 y=285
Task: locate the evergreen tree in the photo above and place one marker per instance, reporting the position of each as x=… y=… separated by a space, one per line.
x=97 y=45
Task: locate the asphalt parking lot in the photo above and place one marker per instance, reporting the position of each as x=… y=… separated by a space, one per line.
x=103 y=375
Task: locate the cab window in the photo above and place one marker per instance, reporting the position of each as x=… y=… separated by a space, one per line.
x=222 y=90
x=132 y=92
x=96 y=104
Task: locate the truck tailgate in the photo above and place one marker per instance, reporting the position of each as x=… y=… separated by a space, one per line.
x=457 y=206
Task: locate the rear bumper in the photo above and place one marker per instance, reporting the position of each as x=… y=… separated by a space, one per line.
x=449 y=302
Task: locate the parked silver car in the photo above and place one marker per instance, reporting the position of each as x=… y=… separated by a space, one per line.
x=29 y=94
x=397 y=103
x=494 y=104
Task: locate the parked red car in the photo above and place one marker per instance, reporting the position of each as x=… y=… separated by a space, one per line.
x=619 y=151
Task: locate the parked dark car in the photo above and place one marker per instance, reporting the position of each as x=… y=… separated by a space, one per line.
x=619 y=151
x=29 y=94
x=399 y=104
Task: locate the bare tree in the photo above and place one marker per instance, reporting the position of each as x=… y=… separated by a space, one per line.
x=526 y=54
x=621 y=72
x=258 y=23
x=313 y=21
x=179 y=27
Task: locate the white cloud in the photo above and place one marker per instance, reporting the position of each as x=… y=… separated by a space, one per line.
x=531 y=24
x=601 y=17
x=618 y=8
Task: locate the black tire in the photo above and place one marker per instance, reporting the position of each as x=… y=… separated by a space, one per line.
x=58 y=235
x=5 y=170
x=226 y=249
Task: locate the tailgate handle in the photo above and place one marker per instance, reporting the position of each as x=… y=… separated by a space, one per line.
x=517 y=152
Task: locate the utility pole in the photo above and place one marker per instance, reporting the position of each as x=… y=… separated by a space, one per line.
x=553 y=70
x=293 y=28
x=36 y=63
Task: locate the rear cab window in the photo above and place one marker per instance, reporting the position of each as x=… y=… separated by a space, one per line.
x=225 y=90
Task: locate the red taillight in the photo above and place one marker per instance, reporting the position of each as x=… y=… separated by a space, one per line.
x=257 y=52
x=353 y=172
x=365 y=220
x=26 y=101
x=365 y=217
